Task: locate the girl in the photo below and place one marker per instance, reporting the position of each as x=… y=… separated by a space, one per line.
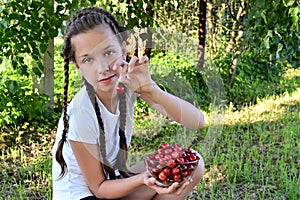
x=93 y=135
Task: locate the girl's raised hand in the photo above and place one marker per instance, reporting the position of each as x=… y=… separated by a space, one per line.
x=135 y=74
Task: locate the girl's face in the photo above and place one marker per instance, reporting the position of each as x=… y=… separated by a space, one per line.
x=96 y=51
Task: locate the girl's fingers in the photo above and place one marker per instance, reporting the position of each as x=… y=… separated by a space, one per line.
x=123 y=74
x=173 y=189
x=132 y=63
x=181 y=188
x=143 y=60
x=118 y=64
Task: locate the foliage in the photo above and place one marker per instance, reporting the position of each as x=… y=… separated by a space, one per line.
x=19 y=103
x=27 y=26
x=269 y=47
x=273 y=28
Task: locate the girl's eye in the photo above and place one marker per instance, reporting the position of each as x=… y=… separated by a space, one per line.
x=109 y=53
x=87 y=60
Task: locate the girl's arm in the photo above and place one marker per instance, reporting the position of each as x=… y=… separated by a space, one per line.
x=87 y=158
x=136 y=76
x=173 y=107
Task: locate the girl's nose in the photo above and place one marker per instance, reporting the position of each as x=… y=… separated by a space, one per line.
x=102 y=66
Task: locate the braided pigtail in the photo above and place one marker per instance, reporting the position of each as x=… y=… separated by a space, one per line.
x=59 y=152
x=123 y=152
x=102 y=143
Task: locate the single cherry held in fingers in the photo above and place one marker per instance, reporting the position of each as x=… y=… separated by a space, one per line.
x=120 y=89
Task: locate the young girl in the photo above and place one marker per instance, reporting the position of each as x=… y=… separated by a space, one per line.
x=94 y=132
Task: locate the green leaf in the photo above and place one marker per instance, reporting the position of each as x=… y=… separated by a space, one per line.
x=123 y=7
x=40 y=65
x=263 y=15
x=288 y=3
x=294 y=13
x=37 y=71
x=266 y=43
x=43 y=47
x=53 y=33
x=14 y=16
x=59 y=8
x=280 y=47
x=13 y=86
x=23 y=69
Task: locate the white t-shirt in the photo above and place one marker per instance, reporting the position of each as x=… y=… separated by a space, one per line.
x=84 y=127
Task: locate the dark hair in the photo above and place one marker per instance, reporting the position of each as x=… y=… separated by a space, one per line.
x=82 y=21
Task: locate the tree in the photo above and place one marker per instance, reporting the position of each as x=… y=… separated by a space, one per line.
x=28 y=28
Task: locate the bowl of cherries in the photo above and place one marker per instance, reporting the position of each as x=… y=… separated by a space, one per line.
x=172 y=163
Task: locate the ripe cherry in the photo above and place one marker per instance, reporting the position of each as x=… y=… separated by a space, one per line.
x=120 y=89
x=185 y=173
x=160 y=150
x=157 y=156
x=162 y=161
x=168 y=157
x=180 y=160
x=155 y=171
x=190 y=168
x=165 y=145
x=188 y=150
x=159 y=167
x=177 y=147
x=171 y=164
x=184 y=155
x=175 y=171
x=162 y=176
x=183 y=168
x=167 y=171
x=168 y=151
x=193 y=157
x=177 y=177
x=175 y=154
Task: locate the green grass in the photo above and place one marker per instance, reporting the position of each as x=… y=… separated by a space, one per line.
x=256 y=155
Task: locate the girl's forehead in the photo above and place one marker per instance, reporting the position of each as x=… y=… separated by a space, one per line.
x=98 y=37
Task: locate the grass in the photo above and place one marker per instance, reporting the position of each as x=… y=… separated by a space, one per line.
x=256 y=156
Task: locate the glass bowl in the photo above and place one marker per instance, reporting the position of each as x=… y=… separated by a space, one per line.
x=170 y=164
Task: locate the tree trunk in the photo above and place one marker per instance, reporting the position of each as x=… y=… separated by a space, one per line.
x=201 y=33
x=45 y=83
x=150 y=14
x=49 y=73
x=239 y=42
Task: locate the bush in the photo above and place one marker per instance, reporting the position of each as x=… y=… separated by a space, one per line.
x=18 y=103
x=255 y=77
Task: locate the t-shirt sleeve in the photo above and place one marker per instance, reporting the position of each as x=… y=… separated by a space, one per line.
x=83 y=123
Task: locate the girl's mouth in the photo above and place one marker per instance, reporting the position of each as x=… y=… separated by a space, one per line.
x=108 y=79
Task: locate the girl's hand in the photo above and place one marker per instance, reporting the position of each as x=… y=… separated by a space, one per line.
x=172 y=189
x=135 y=74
